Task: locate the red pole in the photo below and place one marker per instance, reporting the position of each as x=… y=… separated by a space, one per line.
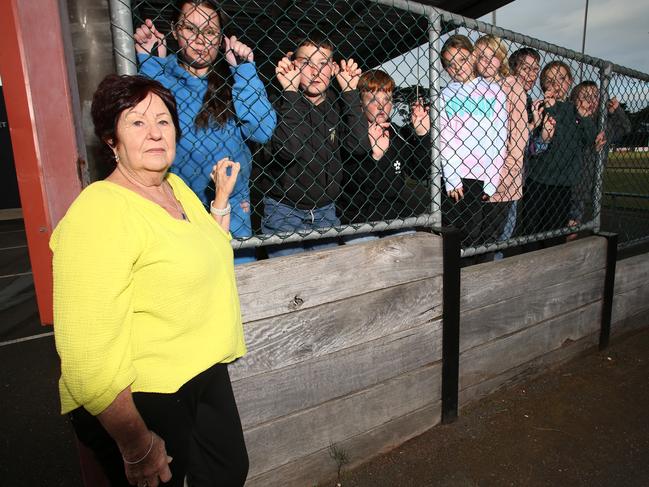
x=39 y=107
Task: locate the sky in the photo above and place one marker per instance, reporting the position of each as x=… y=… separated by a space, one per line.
x=617 y=30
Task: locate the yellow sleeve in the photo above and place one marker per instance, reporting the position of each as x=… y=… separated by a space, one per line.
x=95 y=247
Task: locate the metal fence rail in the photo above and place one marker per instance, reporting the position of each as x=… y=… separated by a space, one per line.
x=367 y=182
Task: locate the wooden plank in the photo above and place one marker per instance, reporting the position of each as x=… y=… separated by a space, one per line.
x=629 y=303
x=297 y=435
x=494 y=358
x=504 y=317
x=318 y=468
x=310 y=279
x=631 y=324
x=631 y=273
x=267 y=396
x=302 y=335
x=529 y=370
x=524 y=274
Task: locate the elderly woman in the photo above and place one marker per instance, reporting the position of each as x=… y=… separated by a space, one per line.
x=146 y=309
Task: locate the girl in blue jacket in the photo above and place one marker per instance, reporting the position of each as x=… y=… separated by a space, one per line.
x=222 y=103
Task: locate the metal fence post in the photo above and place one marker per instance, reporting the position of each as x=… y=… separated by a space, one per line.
x=434 y=60
x=121 y=21
x=602 y=156
x=451 y=324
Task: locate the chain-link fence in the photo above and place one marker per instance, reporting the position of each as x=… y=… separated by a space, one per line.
x=452 y=121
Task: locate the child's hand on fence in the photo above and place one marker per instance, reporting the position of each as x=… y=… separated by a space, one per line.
x=146 y=36
x=549 y=98
x=572 y=236
x=420 y=118
x=457 y=194
x=547 y=131
x=537 y=114
x=612 y=105
x=379 y=134
x=347 y=74
x=236 y=51
x=287 y=73
x=600 y=141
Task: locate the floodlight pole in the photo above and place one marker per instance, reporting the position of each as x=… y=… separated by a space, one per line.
x=583 y=43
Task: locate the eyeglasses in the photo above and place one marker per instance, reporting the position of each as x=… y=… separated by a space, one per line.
x=303 y=62
x=191 y=31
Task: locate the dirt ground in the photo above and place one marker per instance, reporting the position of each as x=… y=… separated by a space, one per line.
x=583 y=424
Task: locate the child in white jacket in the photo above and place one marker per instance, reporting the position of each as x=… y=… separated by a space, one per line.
x=474 y=132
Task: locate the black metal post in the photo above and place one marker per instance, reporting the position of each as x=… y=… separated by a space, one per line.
x=450 y=324
x=609 y=288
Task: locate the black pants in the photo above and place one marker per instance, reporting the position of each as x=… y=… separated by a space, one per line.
x=200 y=426
x=479 y=222
x=544 y=208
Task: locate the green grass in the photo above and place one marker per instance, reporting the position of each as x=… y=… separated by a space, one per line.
x=627 y=172
x=628 y=159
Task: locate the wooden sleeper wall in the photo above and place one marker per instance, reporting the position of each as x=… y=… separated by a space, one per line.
x=344 y=346
x=345 y=349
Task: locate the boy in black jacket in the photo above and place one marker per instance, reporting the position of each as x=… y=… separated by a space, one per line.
x=376 y=188
x=306 y=172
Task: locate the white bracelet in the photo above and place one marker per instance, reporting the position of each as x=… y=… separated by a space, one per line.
x=135 y=462
x=220 y=211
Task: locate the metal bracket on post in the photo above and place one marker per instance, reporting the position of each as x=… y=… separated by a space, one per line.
x=450 y=324
x=609 y=288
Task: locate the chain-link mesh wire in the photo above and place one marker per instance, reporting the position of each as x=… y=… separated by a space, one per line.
x=327 y=156
x=624 y=190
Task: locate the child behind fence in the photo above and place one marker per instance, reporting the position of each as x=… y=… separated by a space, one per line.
x=306 y=175
x=474 y=122
x=376 y=187
x=492 y=65
x=554 y=171
x=585 y=96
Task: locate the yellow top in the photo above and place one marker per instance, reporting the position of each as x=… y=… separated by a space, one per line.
x=140 y=298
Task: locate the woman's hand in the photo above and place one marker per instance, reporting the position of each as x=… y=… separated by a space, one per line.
x=236 y=51
x=154 y=466
x=146 y=36
x=288 y=73
x=144 y=454
x=224 y=174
